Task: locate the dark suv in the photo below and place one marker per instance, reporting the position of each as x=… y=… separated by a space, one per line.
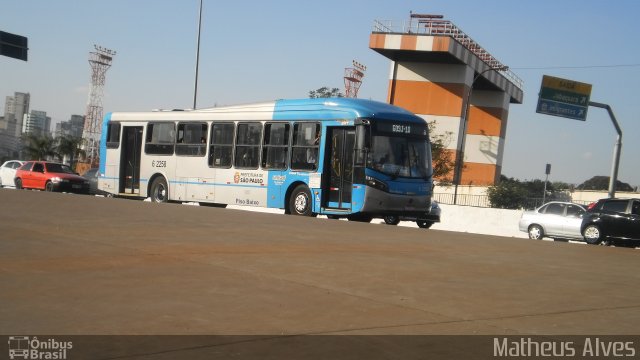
x=610 y=220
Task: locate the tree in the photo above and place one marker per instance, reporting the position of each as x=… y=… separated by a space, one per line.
x=325 y=92
x=38 y=147
x=68 y=145
x=443 y=162
x=508 y=193
x=602 y=183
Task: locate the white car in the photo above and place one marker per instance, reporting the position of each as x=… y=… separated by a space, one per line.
x=8 y=172
x=557 y=220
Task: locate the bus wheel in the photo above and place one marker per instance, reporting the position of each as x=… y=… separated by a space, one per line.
x=391 y=220
x=159 y=190
x=300 y=201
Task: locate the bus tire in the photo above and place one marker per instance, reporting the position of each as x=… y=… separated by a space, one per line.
x=159 y=190
x=300 y=201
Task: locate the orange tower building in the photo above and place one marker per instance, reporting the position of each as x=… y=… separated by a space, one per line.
x=442 y=75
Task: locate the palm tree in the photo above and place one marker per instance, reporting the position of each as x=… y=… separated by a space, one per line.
x=38 y=147
x=68 y=145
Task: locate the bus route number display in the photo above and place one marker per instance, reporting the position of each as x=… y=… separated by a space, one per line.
x=404 y=129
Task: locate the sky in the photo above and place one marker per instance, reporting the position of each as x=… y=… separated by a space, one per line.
x=255 y=51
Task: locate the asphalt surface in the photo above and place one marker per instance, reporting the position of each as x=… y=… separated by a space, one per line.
x=82 y=265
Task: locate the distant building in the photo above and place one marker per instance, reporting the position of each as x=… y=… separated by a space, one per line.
x=36 y=123
x=72 y=127
x=16 y=107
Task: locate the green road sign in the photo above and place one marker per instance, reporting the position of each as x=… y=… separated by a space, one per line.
x=565 y=98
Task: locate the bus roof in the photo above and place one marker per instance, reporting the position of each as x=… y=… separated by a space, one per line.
x=289 y=109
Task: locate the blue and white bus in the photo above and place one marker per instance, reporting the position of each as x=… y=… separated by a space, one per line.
x=344 y=158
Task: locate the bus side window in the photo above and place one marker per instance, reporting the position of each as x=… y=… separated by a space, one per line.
x=306 y=143
x=275 y=146
x=248 y=145
x=113 y=135
x=192 y=139
x=160 y=138
x=221 y=149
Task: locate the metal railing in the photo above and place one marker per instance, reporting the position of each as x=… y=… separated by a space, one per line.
x=483 y=200
x=463 y=199
x=438 y=27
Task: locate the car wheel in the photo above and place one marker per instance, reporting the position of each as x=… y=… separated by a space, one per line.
x=536 y=232
x=333 y=217
x=159 y=190
x=424 y=224
x=592 y=235
x=391 y=220
x=18 y=183
x=300 y=201
x=48 y=186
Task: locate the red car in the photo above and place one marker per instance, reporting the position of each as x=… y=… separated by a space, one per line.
x=50 y=176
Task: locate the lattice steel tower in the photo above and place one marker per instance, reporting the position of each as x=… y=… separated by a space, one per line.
x=100 y=61
x=353 y=79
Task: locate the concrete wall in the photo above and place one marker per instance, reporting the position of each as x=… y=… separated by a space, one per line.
x=476 y=220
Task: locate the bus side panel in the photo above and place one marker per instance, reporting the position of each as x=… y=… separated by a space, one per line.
x=358 y=195
x=109 y=171
x=276 y=188
x=241 y=187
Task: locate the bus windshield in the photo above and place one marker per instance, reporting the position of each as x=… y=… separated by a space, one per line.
x=400 y=156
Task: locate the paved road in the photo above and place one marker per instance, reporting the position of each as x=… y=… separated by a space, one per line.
x=72 y=264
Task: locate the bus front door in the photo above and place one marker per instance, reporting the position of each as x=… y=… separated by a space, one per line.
x=130 y=160
x=339 y=181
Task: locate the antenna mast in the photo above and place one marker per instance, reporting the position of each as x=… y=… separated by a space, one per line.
x=100 y=61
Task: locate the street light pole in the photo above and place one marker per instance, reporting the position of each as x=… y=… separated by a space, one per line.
x=457 y=177
x=195 y=88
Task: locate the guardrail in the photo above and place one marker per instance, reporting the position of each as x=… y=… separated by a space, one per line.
x=438 y=27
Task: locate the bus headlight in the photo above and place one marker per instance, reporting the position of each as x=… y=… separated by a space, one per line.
x=376 y=184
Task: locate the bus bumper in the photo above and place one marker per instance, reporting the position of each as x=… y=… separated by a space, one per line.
x=408 y=207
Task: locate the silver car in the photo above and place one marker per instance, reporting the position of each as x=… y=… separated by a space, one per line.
x=557 y=220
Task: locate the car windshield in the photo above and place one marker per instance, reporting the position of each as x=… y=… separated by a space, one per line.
x=58 y=168
x=400 y=156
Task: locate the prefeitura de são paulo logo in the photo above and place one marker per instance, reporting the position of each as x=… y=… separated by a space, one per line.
x=30 y=347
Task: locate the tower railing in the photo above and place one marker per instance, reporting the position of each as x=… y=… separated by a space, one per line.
x=439 y=27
